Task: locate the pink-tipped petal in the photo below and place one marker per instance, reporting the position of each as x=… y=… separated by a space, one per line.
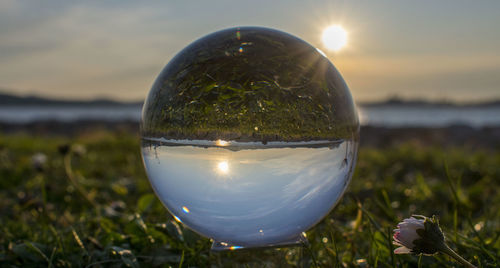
x=402 y=250
x=396 y=243
x=406 y=232
x=417 y=225
x=412 y=221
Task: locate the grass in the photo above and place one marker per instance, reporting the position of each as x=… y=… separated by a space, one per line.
x=91 y=205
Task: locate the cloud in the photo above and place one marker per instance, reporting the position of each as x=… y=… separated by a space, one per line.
x=87 y=48
x=70 y=48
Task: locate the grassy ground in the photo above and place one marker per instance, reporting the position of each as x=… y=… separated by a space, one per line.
x=91 y=205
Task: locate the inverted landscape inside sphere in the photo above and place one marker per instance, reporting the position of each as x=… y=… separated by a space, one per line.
x=250 y=84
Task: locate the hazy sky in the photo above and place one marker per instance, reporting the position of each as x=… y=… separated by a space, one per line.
x=87 y=49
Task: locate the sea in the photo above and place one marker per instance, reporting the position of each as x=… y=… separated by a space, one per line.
x=379 y=115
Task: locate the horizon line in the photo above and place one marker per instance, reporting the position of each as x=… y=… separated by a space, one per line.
x=395 y=99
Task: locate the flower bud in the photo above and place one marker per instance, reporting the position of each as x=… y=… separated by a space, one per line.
x=38 y=161
x=418 y=234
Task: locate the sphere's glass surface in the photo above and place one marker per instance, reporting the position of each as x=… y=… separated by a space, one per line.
x=249 y=137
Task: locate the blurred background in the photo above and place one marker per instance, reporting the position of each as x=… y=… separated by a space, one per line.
x=407 y=64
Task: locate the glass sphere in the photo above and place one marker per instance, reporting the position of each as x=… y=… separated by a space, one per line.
x=249 y=137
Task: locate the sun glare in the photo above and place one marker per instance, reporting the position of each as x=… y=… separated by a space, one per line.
x=221 y=143
x=334 y=37
x=223 y=166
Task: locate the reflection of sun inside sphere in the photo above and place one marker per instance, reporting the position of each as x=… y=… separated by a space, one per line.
x=249 y=137
x=223 y=166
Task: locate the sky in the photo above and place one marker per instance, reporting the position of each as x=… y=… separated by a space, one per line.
x=446 y=50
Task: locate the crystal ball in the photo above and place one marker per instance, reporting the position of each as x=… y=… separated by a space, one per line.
x=249 y=137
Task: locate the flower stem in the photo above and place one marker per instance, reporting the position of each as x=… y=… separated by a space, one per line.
x=72 y=178
x=447 y=250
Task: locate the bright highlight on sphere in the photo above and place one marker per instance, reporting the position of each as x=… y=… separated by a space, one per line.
x=223 y=166
x=334 y=37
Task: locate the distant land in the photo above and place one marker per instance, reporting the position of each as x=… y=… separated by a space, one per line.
x=14 y=100
x=32 y=100
x=395 y=101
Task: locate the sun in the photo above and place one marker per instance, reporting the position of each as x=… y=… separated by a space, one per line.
x=334 y=37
